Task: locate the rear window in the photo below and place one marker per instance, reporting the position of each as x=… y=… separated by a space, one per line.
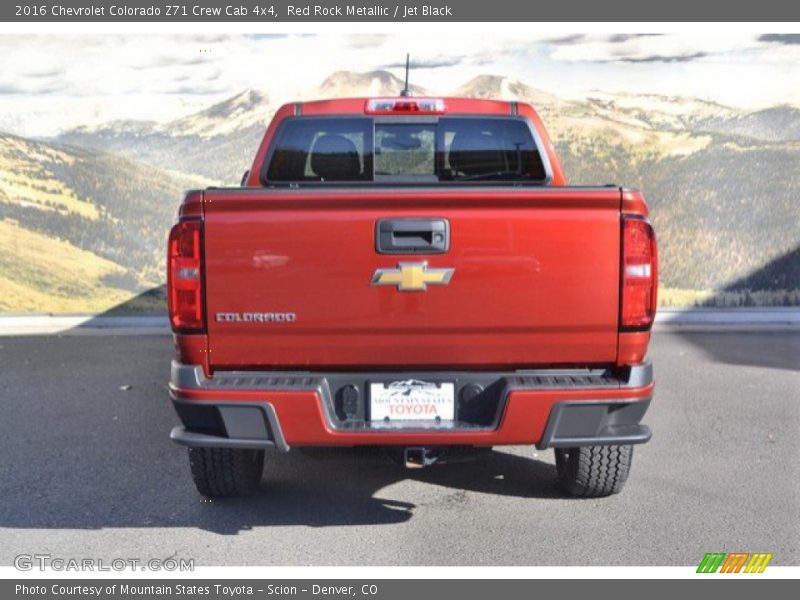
x=444 y=149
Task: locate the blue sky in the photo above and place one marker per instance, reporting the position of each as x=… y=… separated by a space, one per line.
x=54 y=82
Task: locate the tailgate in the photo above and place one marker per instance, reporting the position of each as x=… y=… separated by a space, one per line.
x=290 y=279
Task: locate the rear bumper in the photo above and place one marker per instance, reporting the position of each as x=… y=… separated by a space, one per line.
x=548 y=408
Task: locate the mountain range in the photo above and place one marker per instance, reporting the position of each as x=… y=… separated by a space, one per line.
x=722 y=184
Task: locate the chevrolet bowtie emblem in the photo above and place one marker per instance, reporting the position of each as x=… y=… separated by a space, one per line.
x=412 y=277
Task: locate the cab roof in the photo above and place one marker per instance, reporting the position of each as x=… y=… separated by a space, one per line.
x=366 y=105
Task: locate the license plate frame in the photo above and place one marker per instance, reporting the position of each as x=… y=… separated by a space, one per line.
x=412 y=400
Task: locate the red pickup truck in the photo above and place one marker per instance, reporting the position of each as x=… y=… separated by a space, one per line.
x=415 y=274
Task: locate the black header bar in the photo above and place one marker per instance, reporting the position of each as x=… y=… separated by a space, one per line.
x=320 y=11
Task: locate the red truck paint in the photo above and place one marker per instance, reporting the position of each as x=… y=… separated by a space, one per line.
x=538 y=283
x=525 y=269
x=304 y=424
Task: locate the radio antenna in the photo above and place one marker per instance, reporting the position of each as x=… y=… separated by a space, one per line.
x=406 y=91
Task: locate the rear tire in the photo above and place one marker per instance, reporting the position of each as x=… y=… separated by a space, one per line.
x=593 y=471
x=225 y=472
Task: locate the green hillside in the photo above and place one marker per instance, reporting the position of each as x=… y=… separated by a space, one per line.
x=721 y=213
x=220 y=158
x=81 y=230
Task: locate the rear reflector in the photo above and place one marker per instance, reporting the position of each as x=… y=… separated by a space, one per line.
x=405 y=105
x=639 y=274
x=185 y=277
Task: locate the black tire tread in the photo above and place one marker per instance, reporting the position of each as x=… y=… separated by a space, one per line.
x=225 y=472
x=593 y=471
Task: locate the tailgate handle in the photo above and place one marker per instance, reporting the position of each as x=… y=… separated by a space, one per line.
x=412 y=236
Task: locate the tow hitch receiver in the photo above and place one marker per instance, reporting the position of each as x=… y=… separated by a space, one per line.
x=419 y=457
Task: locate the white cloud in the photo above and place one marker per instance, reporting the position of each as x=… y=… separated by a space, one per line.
x=647 y=48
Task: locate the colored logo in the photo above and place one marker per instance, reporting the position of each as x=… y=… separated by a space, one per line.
x=735 y=562
x=412 y=277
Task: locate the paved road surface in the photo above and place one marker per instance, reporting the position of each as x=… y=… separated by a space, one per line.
x=86 y=469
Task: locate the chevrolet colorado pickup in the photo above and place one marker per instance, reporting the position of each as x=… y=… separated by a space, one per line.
x=414 y=274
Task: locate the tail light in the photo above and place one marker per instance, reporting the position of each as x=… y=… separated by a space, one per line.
x=185 y=277
x=639 y=274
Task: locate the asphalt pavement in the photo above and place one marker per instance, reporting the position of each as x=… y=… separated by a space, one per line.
x=87 y=470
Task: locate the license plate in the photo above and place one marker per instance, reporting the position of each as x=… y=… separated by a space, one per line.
x=412 y=400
